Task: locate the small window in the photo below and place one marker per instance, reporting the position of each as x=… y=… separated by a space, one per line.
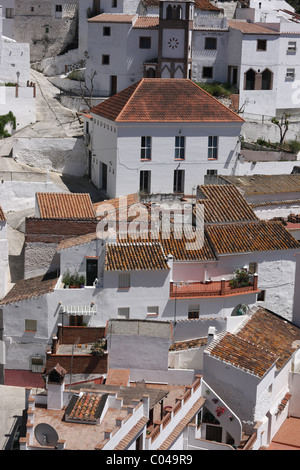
x=114 y=3
x=178 y=182
x=30 y=325
x=212 y=147
x=179 y=147
x=9 y=13
x=290 y=74
x=212 y=172
x=210 y=44
x=261 y=296
x=145 y=181
x=124 y=281
x=46 y=30
x=193 y=311
x=292 y=46
x=32 y=9
x=145 y=42
x=261 y=45
x=146 y=148
x=207 y=72
x=105 y=59
x=106 y=30
x=124 y=312
x=152 y=311
x=58 y=8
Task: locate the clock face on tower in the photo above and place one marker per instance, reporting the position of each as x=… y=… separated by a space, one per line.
x=173 y=43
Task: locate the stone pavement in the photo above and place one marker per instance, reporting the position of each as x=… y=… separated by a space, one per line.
x=52 y=119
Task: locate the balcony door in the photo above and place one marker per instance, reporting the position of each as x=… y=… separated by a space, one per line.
x=91 y=271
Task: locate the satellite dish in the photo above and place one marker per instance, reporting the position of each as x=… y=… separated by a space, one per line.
x=46 y=435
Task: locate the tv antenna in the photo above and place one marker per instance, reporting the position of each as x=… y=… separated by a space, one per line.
x=46 y=435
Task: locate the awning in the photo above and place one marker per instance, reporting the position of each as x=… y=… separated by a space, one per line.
x=78 y=309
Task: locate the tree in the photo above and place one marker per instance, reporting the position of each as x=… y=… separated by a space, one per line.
x=283 y=125
x=87 y=89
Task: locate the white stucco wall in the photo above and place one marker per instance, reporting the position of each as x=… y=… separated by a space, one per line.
x=22 y=106
x=64 y=155
x=121 y=152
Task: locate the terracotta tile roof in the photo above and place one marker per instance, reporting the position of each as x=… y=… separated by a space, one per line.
x=265 y=184
x=117 y=204
x=264 y=339
x=251 y=28
x=188 y=344
x=2 y=216
x=30 y=288
x=175 y=243
x=146 y=22
x=135 y=257
x=112 y=18
x=243 y=354
x=224 y=203
x=75 y=241
x=248 y=237
x=87 y=407
x=65 y=206
x=192 y=104
x=205 y=5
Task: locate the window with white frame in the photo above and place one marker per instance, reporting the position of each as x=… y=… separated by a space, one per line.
x=145 y=148
x=179 y=147
x=212 y=147
x=124 y=281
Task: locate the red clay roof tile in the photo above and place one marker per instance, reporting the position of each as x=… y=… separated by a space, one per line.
x=65 y=206
x=153 y=100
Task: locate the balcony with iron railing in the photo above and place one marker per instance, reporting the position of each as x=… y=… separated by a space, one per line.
x=222 y=288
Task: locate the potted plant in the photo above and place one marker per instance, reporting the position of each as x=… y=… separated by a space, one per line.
x=241 y=279
x=66 y=279
x=82 y=281
x=98 y=348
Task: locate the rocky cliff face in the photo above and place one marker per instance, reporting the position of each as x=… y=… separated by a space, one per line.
x=49 y=29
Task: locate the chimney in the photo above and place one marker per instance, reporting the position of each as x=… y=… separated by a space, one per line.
x=55 y=387
x=211 y=334
x=170 y=263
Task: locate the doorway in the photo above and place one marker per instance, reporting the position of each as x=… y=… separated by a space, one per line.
x=91 y=271
x=103 y=176
x=213 y=433
x=113 y=84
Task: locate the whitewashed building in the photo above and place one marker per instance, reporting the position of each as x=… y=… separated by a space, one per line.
x=16 y=87
x=155 y=278
x=256 y=52
x=255 y=368
x=162 y=145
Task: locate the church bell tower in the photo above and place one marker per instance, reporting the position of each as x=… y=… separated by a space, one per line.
x=175 y=38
